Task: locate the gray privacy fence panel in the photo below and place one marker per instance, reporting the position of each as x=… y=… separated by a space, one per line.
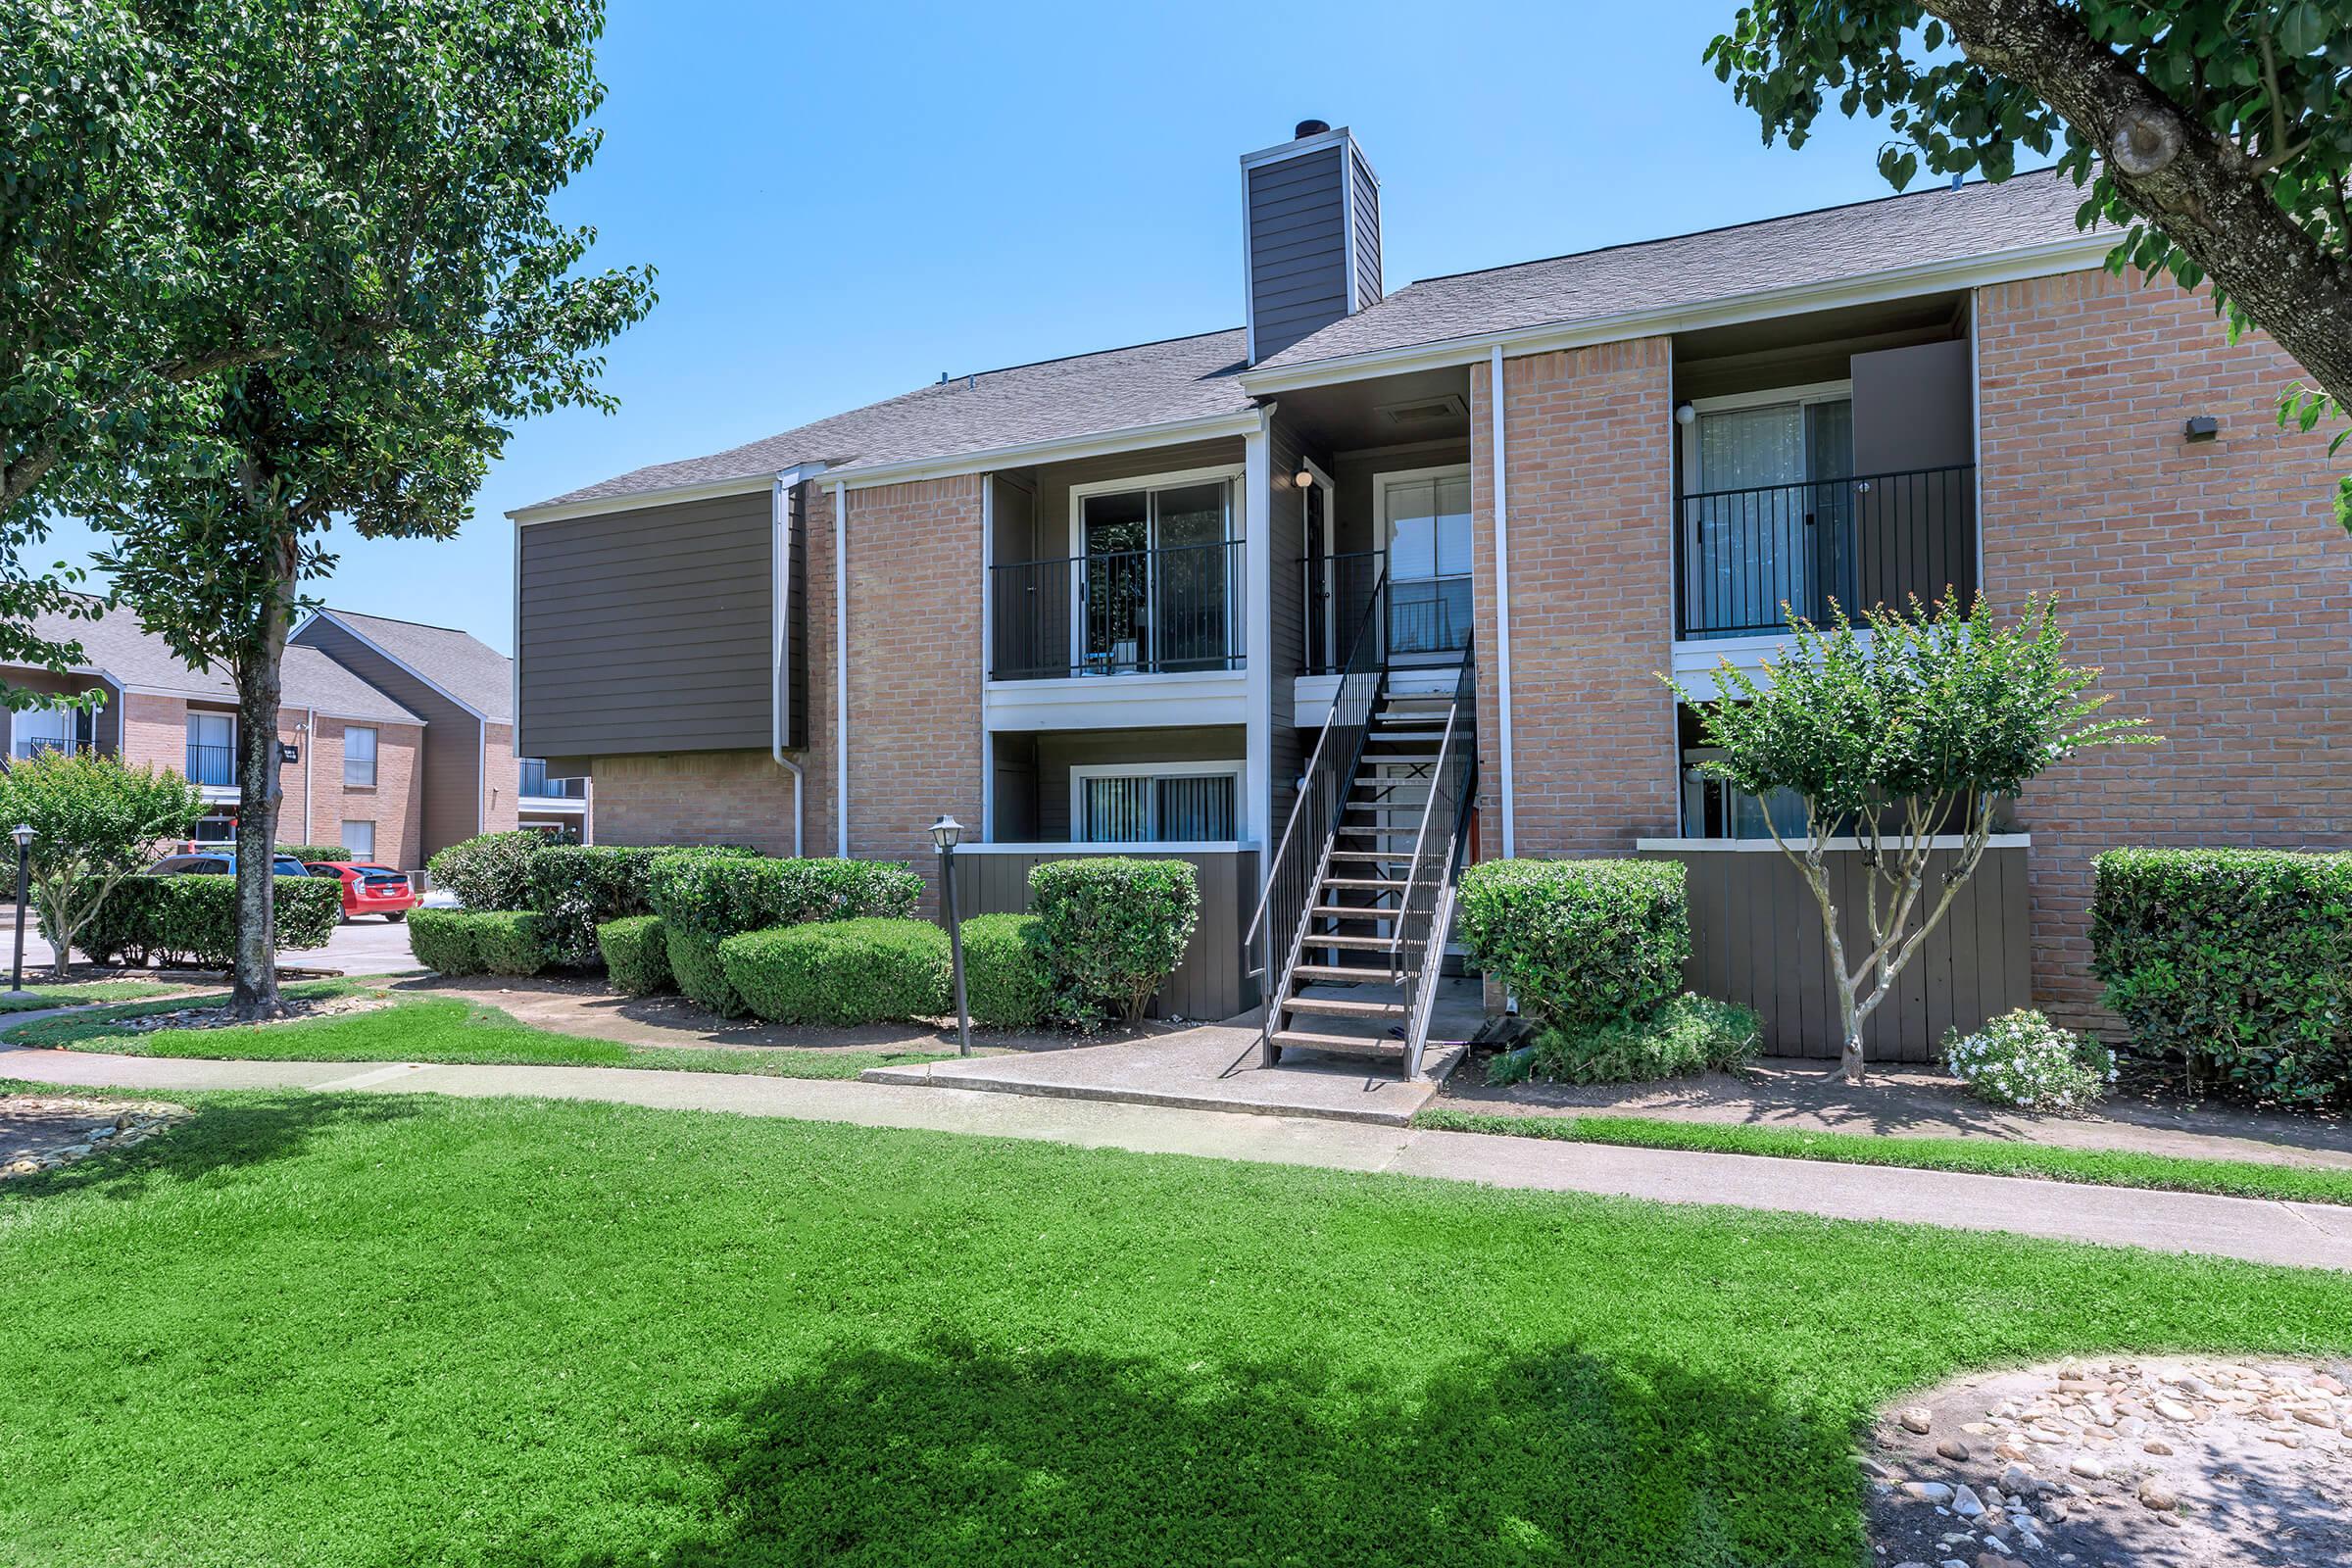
x=1210 y=984
x=1756 y=937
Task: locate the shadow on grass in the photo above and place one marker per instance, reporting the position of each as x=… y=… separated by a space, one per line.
x=218 y=1135
x=954 y=1453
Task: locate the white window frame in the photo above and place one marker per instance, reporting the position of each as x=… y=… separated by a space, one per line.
x=1230 y=474
x=375 y=742
x=65 y=720
x=1809 y=392
x=231 y=718
x=1382 y=485
x=343 y=837
x=1155 y=771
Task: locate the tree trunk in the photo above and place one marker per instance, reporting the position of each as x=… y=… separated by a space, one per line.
x=2201 y=189
x=258 y=677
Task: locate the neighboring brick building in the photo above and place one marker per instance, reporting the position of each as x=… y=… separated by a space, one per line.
x=364 y=776
x=1110 y=598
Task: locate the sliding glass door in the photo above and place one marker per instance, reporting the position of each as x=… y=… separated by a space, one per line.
x=1425 y=515
x=1157 y=579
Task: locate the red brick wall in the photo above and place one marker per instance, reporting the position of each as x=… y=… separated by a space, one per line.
x=2207 y=579
x=318 y=803
x=500 y=778
x=1589 y=435
x=698 y=798
x=155 y=730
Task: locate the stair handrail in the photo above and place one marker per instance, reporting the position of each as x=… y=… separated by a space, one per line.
x=1296 y=869
x=1425 y=909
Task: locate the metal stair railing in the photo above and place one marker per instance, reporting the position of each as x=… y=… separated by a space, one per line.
x=1303 y=858
x=1425 y=911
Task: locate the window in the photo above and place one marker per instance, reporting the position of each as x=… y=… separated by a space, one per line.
x=1186 y=802
x=358 y=756
x=43 y=729
x=216 y=830
x=213 y=750
x=1770 y=514
x=1159 y=580
x=1425 y=516
x=360 y=839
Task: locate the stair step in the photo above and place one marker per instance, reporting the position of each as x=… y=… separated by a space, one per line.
x=1367 y=974
x=1397 y=737
x=1340 y=911
x=1332 y=939
x=1381 y=882
x=1342 y=1044
x=1371 y=855
x=1344 y=1007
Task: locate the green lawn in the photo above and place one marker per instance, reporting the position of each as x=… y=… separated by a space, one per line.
x=1984 y=1157
x=80 y=991
x=379 y=1330
x=429 y=1028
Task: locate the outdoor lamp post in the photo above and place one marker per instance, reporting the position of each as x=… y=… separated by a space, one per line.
x=945 y=834
x=24 y=838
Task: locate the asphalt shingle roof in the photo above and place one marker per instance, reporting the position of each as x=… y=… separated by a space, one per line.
x=461 y=664
x=1151 y=383
x=1197 y=377
x=1828 y=246
x=129 y=656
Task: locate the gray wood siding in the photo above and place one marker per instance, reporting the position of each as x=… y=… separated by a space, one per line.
x=1367 y=231
x=451 y=763
x=1298 y=248
x=1209 y=985
x=648 y=630
x=1756 y=938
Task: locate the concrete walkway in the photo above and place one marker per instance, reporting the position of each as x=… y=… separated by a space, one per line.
x=2306 y=1233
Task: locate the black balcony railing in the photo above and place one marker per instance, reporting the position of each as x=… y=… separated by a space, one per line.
x=1424 y=616
x=216 y=765
x=1744 y=559
x=1118 y=612
x=40 y=746
x=537 y=786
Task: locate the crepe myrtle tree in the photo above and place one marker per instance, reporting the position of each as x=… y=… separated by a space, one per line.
x=430 y=135
x=94 y=822
x=2217 y=137
x=1915 y=733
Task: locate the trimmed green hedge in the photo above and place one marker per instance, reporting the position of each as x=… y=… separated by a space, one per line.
x=462 y=942
x=307 y=853
x=491 y=871
x=841 y=971
x=1114 y=929
x=1684 y=1035
x=636 y=954
x=2240 y=960
x=576 y=888
x=704 y=897
x=191 y=920
x=1579 y=942
x=1007 y=982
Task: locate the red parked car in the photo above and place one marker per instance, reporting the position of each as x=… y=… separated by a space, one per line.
x=370 y=889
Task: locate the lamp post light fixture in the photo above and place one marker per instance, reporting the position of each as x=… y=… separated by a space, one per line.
x=945 y=834
x=24 y=838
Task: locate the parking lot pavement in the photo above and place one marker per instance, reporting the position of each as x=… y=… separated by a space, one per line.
x=369 y=945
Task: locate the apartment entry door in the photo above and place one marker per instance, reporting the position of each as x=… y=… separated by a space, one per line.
x=1425 y=522
x=1156 y=580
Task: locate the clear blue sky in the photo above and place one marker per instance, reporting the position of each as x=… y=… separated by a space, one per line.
x=844 y=201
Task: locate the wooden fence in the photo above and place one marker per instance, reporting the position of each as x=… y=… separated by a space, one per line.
x=1756 y=937
x=1209 y=985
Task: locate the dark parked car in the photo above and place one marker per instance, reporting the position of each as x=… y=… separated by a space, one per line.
x=223 y=864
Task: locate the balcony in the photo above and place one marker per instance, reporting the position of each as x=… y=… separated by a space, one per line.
x=213 y=766
x=1744 y=559
x=1118 y=612
x=1425 y=617
x=32 y=746
x=535 y=785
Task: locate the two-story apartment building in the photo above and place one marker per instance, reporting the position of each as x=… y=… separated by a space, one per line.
x=369 y=770
x=1122 y=597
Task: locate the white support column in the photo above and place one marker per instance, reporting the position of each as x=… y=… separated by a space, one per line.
x=1500 y=445
x=1257 y=631
x=986 y=829
x=841 y=670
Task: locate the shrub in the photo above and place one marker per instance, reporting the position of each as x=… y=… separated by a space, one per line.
x=1579 y=943
x=1006 y=981
x=443 y=941
x=1684 y=1035
x=575 y=888
x=491 y=871
x=192 y=921
x=841 y=971
x=1114 y=929
x=457 y=942
x=95 y=823
x=705 y=897
x=636 y=953
x=2021 y=1058
x=2239 y=960
x=307 y=853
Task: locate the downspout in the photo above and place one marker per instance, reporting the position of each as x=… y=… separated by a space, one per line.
x=1502 y=602
x=779 y=594
x=310 y=775
x=841 y=670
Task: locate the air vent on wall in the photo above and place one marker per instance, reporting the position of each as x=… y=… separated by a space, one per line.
x=1425 y=411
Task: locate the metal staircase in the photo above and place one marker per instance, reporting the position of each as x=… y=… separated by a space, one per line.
x=1351 y=935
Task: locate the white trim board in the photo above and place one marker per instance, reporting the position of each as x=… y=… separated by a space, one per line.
x=1117 y=702
x=1088 y=851
x=1234 y=769
x=1765 y=846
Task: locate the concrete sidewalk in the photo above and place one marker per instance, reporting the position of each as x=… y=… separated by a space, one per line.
x=2312 y=1235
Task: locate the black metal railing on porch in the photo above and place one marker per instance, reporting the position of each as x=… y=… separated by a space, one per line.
x=1118 y=612
x=216 y=765
x=536 y=784
x=1424 y=616
x=1744 y=559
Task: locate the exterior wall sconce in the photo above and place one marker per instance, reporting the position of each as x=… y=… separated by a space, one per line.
x=1303 y=480
x=1685 y=413
x=2204 y=428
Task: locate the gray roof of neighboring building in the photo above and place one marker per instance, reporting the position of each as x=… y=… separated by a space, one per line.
x=116 y=647
x=459 y=663
x=1197 y=377
x=1120 y=389
x=1828 y=246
